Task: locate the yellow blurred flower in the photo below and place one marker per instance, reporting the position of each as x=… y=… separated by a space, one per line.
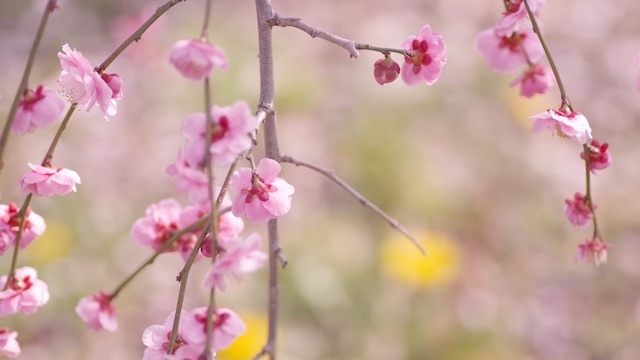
x=404 y=262
x=250 y=344
x=521 y=107
x=55 y=243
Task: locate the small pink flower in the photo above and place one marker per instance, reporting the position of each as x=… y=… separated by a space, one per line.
x=49 y=181
x=564 y=124
x=261 y=196
x=593 y=251
x=195 y=59
x=505 y=54
x=239 y=259
x=8 y=344
x=227 y=326
x=385 y=70
x=115 y=84
x=230 y=137
x=82 y=84
x=191 y=179
x=34 y=226
x=97 y=312
x=578 y=210
x=535 y=80
x=599 y=156
x=25 y=293
x=515 y=15
x=426 y=55
x=38 y=108
x=156 y=338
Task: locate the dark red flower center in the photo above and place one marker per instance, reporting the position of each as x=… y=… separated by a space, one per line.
x=30 y=98
x=418 y=56
x=258 y=189
x=220 y=129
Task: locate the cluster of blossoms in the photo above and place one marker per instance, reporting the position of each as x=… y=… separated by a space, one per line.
x=510 y=45
x=256 y=193
x=425 y=55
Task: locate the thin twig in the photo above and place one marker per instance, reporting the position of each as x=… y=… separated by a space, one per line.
x=333 y=177
x=22 y=87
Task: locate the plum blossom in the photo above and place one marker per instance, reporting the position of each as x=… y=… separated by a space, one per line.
x=156 y=338
x=191 y=179
x=535 y=80
x=8 y=344
x=25 y=293
x=515 y=15
x=426 y=55
x=97 y=312
x=49 y=181
x=260 y=196
x=386 y=70
x=230 y=137
x=229 y=226
x=38 y=108
x=564 y=124
x=238 y=259
x=159 y=224
x=84 y=85
x=599 y=156
x=579 y=210
x=227 y=326
x=115 y=84
x=195 y=59
x=593 y=251
x=33 y=227
x=506 y=54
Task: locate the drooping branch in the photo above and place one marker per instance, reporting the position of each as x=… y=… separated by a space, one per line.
x=364 y=201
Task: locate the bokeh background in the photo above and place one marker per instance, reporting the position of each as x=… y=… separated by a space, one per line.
x=456 y=163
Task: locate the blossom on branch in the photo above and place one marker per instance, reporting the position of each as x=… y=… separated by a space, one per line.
x=593 y=251
x=386 y=70
x=195 y=59
x=25 y=293
x=38 y=108
x=191 y=179
x=33 y=227
x=156 y=338
x=84 y=85
x=230 y=136
x=506 y=54
x=260 y=196
x=515 y=15
x=599 y=156
x=426 y=55
x=97 y=312
x=8 y=344
x=579 y=210
x=49 y=181
x=238 y=259
x=535 y=80
x=564 y=124
x=227 y=326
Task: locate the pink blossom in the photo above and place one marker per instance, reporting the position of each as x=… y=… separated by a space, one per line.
x=238 y=259
x=33 y=227
x=515 y=15
x=159 y=224
x=261 y=196
x=156 y=338
x=564 y=124
x=38 y=108
x=97 y=311
x=227 y=326
x=49 y=181
x=599 y=156
x=593 y=251
x=82 y=84
x=535 y=80
x=25 y=293
x=115 y=84
x=385 y=70
x=505 y=54
x=189 y=352
x=230 y=137
x=191 y=179
x=195 y=59
x=229 y=226
x=8 y=344
x=578 y=210
x=426 y=55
